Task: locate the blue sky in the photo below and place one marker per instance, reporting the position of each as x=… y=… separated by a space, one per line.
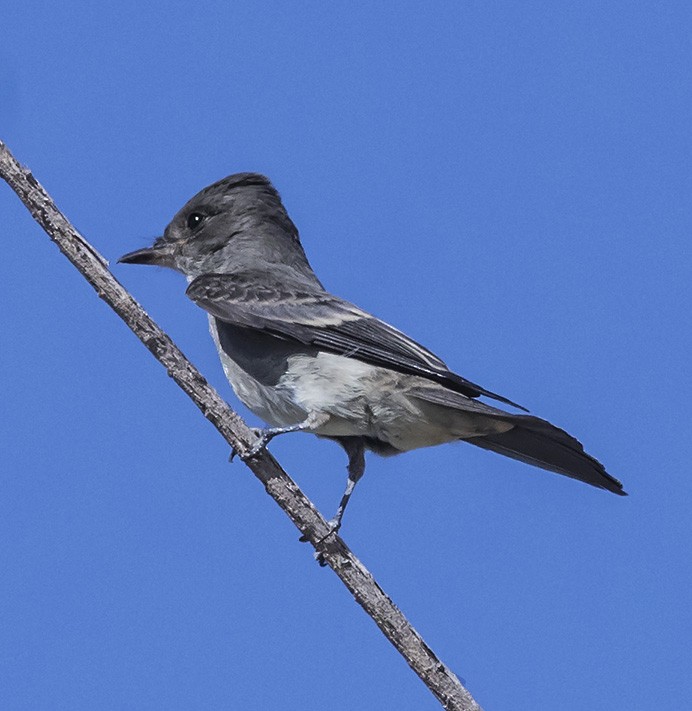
x=507 y=182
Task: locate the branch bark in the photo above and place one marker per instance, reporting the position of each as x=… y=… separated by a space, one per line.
x=435 y=674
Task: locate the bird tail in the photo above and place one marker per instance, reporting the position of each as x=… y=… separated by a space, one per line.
x=537 y=442
x=529 y=440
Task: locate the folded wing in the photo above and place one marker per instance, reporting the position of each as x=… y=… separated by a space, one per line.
x=314 y=317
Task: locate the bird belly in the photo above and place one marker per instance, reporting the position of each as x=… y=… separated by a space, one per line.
x=360 y=399
x=369 y=401
x=335 y=385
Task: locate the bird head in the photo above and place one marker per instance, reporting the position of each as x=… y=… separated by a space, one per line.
x=236 y=224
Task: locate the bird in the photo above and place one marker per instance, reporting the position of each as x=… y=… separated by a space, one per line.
x=305 y=360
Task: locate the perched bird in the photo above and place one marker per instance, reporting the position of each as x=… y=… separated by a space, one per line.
x=303 y=359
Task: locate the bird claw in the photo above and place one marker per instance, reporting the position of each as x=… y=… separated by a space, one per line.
x=255 y=449
x=334 y=526
x=319 y=557
x=259 y=446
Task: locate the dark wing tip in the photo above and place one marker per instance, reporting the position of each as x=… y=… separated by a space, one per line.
x=466 y=387
x=507 y=401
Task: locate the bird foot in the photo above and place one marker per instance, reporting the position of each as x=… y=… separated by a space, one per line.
x=255 y=449
x=261 y=444
x=334 y=526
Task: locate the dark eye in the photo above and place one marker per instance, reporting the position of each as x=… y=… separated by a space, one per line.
x=195 y=219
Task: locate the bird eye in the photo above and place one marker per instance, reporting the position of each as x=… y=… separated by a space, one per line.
x=195 y=219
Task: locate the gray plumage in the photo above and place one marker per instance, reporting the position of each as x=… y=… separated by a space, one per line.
x=303 y=359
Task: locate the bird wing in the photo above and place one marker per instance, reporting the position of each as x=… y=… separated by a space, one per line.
x=314 y=317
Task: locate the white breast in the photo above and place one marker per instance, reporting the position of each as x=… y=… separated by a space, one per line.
x=271 y=403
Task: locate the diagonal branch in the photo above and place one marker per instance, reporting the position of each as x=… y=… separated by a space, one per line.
x=434 y=674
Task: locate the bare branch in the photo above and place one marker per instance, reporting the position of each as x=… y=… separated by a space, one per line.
x=436 y=675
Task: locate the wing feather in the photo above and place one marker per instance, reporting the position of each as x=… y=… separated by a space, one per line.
x=319 y=319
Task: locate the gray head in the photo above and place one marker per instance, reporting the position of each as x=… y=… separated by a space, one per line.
x=236 y=224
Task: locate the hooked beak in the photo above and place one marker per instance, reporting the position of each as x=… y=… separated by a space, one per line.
x=160 y=254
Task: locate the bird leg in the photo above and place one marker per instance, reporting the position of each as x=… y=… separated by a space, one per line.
x=311 y=422
x=355 y=450
x=356 y=467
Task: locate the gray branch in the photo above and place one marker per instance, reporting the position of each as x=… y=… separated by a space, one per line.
x=94 y=268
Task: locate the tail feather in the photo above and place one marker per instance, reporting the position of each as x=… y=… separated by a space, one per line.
x=531 y=440
x=537 y=442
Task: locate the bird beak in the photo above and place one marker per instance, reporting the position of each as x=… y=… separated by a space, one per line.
x=160 y=254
